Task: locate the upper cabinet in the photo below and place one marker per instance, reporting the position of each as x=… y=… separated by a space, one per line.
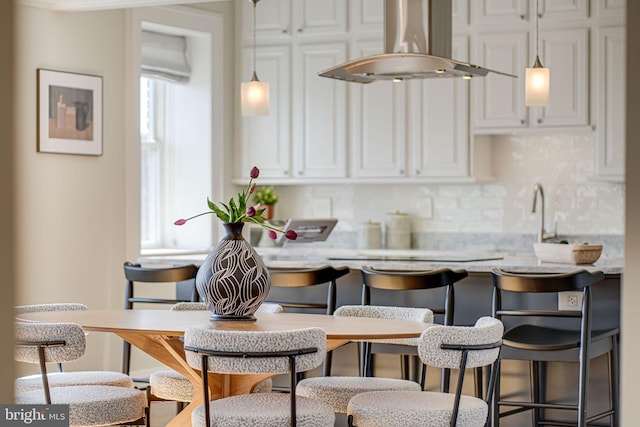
x=611 y=103
x=499 y=102
x=282 y=19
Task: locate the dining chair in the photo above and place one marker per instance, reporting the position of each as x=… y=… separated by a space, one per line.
x=150 y=276
x=258 y=352
x=60 y=378
x=338 y=390
x=433 y=289
x=307 y=290
x=445 y=347
x=518 y=299
x=169 y=385
x=89 y=405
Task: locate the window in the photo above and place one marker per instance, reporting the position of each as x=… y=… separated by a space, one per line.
x=180 y=126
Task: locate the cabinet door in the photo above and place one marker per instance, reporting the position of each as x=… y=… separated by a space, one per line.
x=319 y=117
x=565 y=53
x=273 y=18
x=379 y=123
x=611 y=8
x=440 y=123
x=266 y=139
x=366 y=16
x=499 y=100
x=501 y=12
x=320 y=16
x=560 y=10
x=611 y=103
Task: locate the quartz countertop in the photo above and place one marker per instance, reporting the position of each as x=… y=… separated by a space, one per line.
x=473 y=262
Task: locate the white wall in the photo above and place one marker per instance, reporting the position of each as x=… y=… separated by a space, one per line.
x=70 y=209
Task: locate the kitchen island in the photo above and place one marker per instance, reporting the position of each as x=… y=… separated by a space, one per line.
x=472 y=300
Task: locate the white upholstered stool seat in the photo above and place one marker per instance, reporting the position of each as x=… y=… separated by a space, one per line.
x=265 y=410
x=169 y=385
x=94 y=404
x=89 y=405
x=337 y=391
x=61 y=379
x=422 y=408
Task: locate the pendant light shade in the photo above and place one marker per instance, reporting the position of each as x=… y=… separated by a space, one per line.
x=254 y=95
x=537 y=79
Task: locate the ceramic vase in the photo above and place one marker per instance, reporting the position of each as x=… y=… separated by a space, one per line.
x=233 y=280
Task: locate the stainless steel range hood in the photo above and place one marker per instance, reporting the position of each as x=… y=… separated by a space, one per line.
x=418 y=35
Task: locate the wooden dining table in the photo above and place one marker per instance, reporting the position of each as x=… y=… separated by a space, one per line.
x=158 y=333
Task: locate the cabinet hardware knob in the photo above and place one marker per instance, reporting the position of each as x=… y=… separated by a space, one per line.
x=285 y=172
x=300 y=30
x=539 y=120
x=300 y=173
x=401 y=171
x=522 y=16
x=285 y=31
x=521 y=121
x=417 y=171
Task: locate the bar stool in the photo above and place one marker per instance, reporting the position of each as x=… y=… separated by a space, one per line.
x=303 y=278
x=384 y=282
x=135 y=273
x=538 y=341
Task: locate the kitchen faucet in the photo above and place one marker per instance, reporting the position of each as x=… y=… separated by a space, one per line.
x=542 y=233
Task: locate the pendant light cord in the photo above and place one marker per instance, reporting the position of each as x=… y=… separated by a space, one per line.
x=255 y=2
x=537 y=32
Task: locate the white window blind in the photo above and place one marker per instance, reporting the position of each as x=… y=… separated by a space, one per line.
x=165 y=56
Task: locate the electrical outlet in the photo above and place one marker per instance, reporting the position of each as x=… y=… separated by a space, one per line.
x=570 y=301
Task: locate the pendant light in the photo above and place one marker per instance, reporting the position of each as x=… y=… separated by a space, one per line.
x=254 y=94
x=537 y=78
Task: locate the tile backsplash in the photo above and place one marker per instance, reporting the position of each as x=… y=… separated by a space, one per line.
x=496 y=214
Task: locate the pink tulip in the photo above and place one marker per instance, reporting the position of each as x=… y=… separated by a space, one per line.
x=272 y=234
x=255 y=172
x=251 y=211
x=180 y=221
x=291 y=235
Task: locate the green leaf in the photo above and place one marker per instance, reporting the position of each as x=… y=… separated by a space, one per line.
x=219 y=212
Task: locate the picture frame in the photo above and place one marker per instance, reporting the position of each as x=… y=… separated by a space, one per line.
x=69 y=113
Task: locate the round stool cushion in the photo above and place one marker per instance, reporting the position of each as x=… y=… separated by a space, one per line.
x=93 y=405
x=337 y=391
x=60 y=379
x=402 y=408
x=264 y=410
x=170 y=385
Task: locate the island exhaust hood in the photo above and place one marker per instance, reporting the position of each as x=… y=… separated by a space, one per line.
x=413 y=49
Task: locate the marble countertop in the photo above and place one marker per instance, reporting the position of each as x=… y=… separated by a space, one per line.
x=473 y=262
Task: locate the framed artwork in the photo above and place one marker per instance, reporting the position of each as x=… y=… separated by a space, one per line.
x=69 y=113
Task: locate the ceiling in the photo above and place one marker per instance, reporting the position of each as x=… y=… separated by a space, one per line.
x=71 y=5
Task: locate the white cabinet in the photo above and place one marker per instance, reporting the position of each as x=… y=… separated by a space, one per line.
x=500 y=12
x=378 y=124
x=565 y=53
x=366 y=16
x=439 y=127
x=320 y=113
x=266 y=139
x=564 y=9
x=498 y=100
x=611 y=103
x=285 y=18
